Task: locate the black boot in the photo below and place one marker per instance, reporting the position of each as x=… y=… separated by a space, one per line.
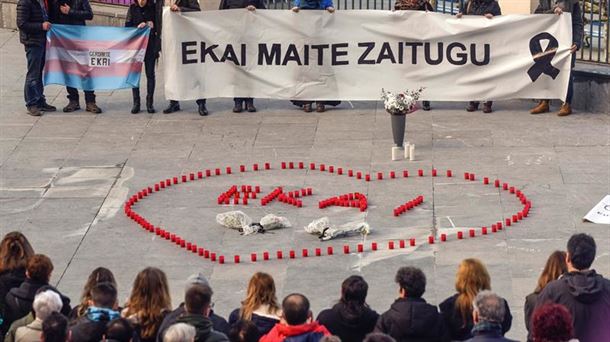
x=149 y=104
x=203 y=111
x=250 y=105
x=135 y=92
x=239 y=105
x=174 y=106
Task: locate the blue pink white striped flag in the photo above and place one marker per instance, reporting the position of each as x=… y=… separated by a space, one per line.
x=95 y=57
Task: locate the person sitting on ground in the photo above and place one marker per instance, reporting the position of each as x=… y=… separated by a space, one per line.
x=351 y=319
x=410 y=318
x=489 y=9
x=552 y=323
x=99 y=275
x=19 y=300
x=92 y=326
x=471 y=278
x=55 y=329
x=378 y=337
x=260 y=306
x=180 y=332
x=119 y=330
x=219 y=323
x=555 y=267
x=244 y=331
x=488 y=312
x=45 y=303
x=582 y=291
x=197 y=301
x=15 y=249
x=297 y=322
x=148 y=303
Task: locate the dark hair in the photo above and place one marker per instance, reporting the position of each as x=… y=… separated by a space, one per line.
x=39 y=268
x=119 y=330
x=353 y=296
x=55 y=328
x=244 y=331
x=552 y=323
x=104 y=295
x=98 y=275
x=295 y=309
x=412 y=280
x=197 y=298
x=378 y=337
x=15 y=250
x=581 y=250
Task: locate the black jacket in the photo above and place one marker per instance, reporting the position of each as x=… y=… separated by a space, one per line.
x=349 y=329
x=482 y=7
x=188 y=5
x=19 y=300
x=204 y=327
x=528 y=310
x=8 y=280
x=137 y=15
x=489 y=337
x=264 y=324
x=80 y=11
x=86 y=330
x=231 y=4
x=412 y=319
x=587 y=297
x=30 y=16
x=461 y=330
x=219 y=323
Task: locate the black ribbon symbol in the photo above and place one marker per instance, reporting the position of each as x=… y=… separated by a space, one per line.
x=543 y=59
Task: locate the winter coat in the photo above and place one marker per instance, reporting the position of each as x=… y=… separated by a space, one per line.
x=204 y=327
x=313 y=4
x=80 y=11
x=572 y=6
x=460 y=330
x=137 y=15
x=308 y=332
x=490 y=337
x=8 y=280
x=349 y=329
x=93 y=325
x=231 y=4
x=135 y=322
x=30 y=332
x=219 y=324
x=412 y=319
x=30 y=16
x=413 y=5
x=528 y=310
x=19 y=300
x=12 y=330
x=263 y=323
x=482 y=7
x=587 y=296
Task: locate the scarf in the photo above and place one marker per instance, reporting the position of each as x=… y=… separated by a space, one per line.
x=101 y=314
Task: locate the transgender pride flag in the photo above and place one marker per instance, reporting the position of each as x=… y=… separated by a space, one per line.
x=95 y=57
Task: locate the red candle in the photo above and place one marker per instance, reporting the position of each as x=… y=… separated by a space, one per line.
x=283 y=165
x=484 y=230
x=374 y=246
x=267 y=166
x=431 y=239
x=391 y=245
x=345 y=249
x=360 y=248
x=433 y=172
x=449 y=173
x=242 y=168
x=466 y=176
x=301 y=165
x=339 y=171
x=471 y=176
x=265 y=255
x=322 y=167
x=350 y=173
x=183 y=178
x=401 y=243
x=280 y=255
x=292 y=254
x=460 y=235
x=485 y=180
x=236 y=259
x=443 y=237
x=405 y=173
x=329 y=250
x=379 y=175
x=420 y=172
x=392 y=174
x=305 y=252
x=199 y=175
x=318 y=252
x=472 y=233
x=255 y=167
x=412 y=242
x=312 y=166
x=291 y=165
x=221 y=259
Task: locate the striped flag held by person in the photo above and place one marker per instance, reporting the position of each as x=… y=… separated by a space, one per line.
x=95 y=57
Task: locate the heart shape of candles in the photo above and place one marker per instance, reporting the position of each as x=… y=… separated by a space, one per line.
x=218 y=257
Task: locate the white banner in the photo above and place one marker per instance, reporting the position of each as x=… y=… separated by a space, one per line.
x=351 y=55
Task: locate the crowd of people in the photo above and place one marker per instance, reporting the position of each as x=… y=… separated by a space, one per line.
x=571 y=302
x=35 y=18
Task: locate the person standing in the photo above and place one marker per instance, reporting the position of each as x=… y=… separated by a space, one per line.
x=74 y=12
x=250 y=5
x=142 y=14
x=185 y=6
x=558 y=7
x=489 y=9
x=33 y=23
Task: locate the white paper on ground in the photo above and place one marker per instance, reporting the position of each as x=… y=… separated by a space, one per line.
x=600 y=214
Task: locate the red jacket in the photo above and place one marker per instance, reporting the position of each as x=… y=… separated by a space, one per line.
x=310 y=332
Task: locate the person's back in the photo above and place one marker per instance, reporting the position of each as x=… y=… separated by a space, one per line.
x=488 y=312
x=582 y=291
x=197 y=302
x=45 y=303
x=299 y=325
x=92 y=326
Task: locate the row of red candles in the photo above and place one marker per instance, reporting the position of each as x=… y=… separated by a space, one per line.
x=318 y=251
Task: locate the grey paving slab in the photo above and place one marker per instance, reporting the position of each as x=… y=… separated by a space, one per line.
x=65 y=176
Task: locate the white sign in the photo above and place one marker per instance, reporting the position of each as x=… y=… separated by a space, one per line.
x=99 y=59
x=600 y=214
x=351 y=55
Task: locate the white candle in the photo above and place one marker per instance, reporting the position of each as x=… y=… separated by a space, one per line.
x=412 y=152
x=397 y=153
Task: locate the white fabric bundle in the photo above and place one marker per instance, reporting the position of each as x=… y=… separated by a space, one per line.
x=326 y=231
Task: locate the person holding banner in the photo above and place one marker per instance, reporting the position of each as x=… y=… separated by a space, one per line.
x=250 y=5
x=558 y=7
x=314 y=5
x=141 y=14
x=185 y=6
x=74 y=12
x=489 y=9
x=33 y=23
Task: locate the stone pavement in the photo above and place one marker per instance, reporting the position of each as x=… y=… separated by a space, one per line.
x=64 y=178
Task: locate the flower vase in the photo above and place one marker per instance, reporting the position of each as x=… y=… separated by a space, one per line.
x=399 y=122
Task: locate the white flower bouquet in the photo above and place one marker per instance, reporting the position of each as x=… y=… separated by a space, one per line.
x=401 y=103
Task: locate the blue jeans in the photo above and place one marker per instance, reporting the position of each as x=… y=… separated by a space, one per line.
x=34 y=90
